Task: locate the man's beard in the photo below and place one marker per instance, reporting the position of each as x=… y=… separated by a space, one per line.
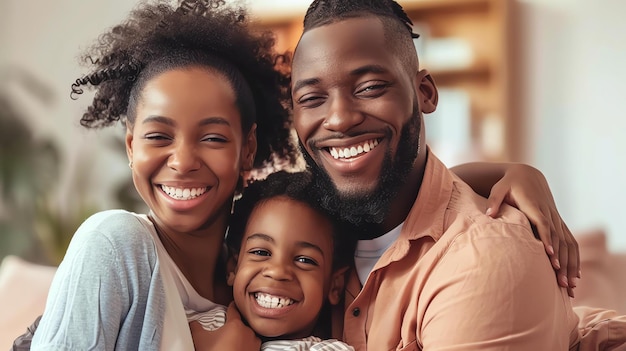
x=366 y=211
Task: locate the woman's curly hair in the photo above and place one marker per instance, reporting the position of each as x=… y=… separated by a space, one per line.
x=158 y=36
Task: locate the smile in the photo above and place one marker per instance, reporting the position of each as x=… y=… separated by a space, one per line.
x=183 y=193
x=271 y=301
x=354 y=150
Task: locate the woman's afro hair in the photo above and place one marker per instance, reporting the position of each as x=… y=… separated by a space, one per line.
x=157 y=30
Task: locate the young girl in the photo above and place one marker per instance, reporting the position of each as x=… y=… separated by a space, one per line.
x=291 y=257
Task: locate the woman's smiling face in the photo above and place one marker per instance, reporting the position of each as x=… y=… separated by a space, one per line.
x=187 y=147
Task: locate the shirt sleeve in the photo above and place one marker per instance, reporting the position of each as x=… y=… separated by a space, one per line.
x=494 y=289
x=601 y=329
x=94 y=290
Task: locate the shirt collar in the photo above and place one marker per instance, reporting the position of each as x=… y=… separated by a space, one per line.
x=426 y=217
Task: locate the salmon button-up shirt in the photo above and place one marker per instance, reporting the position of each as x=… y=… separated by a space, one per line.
x=457 y=279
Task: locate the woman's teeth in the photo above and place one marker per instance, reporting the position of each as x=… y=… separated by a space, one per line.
x=354 y=150
x=270 y=301
x=183 y=193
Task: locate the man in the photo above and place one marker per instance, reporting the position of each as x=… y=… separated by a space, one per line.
x=433 y=272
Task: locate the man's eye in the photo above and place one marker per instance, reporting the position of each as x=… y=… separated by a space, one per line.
x=310 y=101
x=372 y=90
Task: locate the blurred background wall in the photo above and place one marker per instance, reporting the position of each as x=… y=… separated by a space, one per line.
x=568 y=84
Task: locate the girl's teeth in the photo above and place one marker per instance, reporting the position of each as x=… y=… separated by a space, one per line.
x=183 y=193
x=269 y=301
x=354 y=150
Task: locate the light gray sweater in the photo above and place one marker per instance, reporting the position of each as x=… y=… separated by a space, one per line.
x=107 y=293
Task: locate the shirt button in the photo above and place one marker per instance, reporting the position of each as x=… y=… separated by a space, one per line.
x=356 y=312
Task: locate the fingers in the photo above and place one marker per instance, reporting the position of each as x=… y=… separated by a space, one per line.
x=496 y=198
x=563 y=257
x=548 y=236
x=573 y=262
x=544 y=229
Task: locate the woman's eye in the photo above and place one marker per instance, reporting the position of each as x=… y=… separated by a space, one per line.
x=156 y=137
x=214 y=139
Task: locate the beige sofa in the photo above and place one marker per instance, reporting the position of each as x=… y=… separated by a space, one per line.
x=23 y=290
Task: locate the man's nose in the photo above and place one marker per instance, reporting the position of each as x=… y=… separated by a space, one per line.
x=342 y=115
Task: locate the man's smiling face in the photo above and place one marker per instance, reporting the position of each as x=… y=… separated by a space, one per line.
x=356 y=115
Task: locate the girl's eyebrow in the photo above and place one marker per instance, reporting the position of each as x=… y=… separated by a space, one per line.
x=268 y=238
x=306 y=244
x=260 y=236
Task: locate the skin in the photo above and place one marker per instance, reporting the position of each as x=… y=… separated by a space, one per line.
x=187 y=135
x=286 y=252
x=369 y=96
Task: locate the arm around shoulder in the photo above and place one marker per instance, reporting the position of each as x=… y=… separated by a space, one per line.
x=494 y=289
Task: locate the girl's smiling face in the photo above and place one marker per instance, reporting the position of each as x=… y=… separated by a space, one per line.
x=284 y=269
x=187 y=147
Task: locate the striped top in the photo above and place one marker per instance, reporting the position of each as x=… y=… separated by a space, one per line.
x=215 y=318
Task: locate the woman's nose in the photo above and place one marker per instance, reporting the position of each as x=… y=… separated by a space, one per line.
x=184 y=158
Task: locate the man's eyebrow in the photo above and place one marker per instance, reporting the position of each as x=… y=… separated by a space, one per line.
x=368 y=69
x=304 y=82
x=355 y=72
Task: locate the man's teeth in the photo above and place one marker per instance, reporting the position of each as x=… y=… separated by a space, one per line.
x=270 y=301
x=354 y=150
x=183 y=193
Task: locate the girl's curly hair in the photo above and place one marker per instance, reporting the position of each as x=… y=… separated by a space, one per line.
x=158 y=36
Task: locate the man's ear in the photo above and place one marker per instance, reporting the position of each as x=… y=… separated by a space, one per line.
x=248 y=152
x=427 y=91
x=128 y=141
x=337 y=285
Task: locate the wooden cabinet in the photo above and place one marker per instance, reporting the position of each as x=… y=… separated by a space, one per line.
x=467 y=47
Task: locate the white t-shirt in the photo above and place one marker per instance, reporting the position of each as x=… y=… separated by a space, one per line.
x=369 y=251
x=176 y=333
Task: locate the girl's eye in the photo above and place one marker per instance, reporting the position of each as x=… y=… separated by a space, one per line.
x=259 y=252
x=306 y=260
